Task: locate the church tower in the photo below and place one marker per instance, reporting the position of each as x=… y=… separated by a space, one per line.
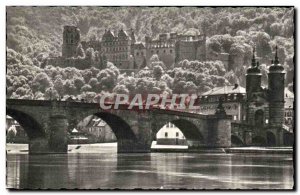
x=276 y=92
x=71 y=40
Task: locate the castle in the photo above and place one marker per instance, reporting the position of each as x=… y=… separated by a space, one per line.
x=126 y=53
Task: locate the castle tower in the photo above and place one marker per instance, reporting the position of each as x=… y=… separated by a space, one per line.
x=276 y=92
x=253 y=78
x=71 y=40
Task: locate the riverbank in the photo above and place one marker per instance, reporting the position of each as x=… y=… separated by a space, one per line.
x=112 y=148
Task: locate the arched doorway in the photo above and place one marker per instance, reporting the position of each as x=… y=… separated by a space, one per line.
x=259 y=118
x=271 y=139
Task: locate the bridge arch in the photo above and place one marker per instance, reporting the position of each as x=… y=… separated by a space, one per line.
x=120 y=127
x=127 y=138
x=190 y=131
x=30 y=125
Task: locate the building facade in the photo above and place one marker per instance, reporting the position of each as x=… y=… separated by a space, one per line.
x=234 y=101
x=99 y=129
x=169 y=134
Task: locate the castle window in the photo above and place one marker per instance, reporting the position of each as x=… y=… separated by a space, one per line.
x=177 y=134
x=234 y=118
x=166 y=134
x=164 y=51
x=157 y=51
x=137 y=53
x=171 y=50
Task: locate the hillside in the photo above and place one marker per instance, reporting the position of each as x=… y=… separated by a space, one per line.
x=33 y=33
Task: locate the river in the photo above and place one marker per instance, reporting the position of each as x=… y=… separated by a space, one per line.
x=109 y=170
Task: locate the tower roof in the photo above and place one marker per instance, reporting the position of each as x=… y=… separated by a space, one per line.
x=122 y=34
x=276 y=66
x=254 y=64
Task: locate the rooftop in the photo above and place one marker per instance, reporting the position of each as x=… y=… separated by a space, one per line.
x=288 y=93
x=231 y=89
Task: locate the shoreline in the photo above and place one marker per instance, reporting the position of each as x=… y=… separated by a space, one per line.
x=112 y=147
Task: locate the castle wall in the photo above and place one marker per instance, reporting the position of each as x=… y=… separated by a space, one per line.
x=164 y=49
x=139 y=58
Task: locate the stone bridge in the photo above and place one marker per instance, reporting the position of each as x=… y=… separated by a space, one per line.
x=47 y=122
x=267 y=135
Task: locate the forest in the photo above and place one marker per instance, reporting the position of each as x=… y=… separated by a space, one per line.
x=35 y=33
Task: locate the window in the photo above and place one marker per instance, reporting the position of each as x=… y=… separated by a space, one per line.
x=157 y=51
x=171 y=50
x=166 y=134
x=177 y=134
x=235 y=117
x=164 y=51
x=151 y=51
x=137 y=53
x=267 y=121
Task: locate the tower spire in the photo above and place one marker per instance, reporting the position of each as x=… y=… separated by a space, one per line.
x=253 y=58
x=276 y=61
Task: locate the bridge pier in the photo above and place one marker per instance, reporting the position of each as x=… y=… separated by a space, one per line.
x=38 y=146
x=58 y=142
x=133 y=146
x=219 y=132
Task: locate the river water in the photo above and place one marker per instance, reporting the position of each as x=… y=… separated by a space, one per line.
x=109 y=170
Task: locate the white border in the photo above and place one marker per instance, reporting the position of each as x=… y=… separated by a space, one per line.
x=5 y=3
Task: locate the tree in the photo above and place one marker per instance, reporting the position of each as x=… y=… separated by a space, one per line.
x=86 y=88
x=157 y=72
x=51 y=93
x=121 y=89
x=90 y=54
x=59 y=86
x=79 y=51
x=78 y=82
x=41 y=82
x=69 y=87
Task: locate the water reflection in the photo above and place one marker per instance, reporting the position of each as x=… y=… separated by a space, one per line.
x=148 y=171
